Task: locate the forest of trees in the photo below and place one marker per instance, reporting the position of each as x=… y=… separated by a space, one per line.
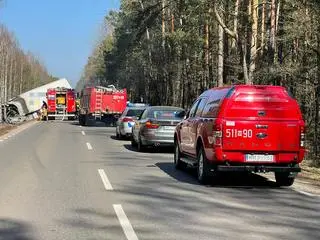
x=169 y=51
x=19 y=71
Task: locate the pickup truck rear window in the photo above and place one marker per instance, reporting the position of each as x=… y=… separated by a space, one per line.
x=275 y=103
x=213 y=103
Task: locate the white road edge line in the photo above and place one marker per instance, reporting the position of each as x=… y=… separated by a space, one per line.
x=305 y=193
x=83 y=133
x=105 y=180
x=89 y=146
x=124 y=222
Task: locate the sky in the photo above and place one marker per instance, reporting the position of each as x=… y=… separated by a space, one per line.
x=62 y=33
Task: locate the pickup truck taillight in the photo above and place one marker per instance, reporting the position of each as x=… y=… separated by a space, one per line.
x=302 y=136
x=217 y=134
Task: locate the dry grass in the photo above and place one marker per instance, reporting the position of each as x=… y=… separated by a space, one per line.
x=5 y=128
x=310 y=172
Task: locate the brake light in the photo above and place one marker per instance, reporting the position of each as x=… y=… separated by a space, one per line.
x=217 y=134
x=127 y=119
x=302 y=136
x=151 y=125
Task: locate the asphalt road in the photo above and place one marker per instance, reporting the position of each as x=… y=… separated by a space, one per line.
x=62 y=181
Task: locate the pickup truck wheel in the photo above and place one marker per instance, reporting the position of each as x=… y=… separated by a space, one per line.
x=202 y=167
x=178 y=164
x=284 y=179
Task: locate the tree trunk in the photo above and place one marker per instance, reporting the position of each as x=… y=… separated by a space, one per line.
x=235 y=23
x=317 y=103
x=11 y=75
x=163 y=23
x=206 y=54
x=220 y=56
x=254 y=39
x=271 y=47
x=263 y=13
x=21 y=77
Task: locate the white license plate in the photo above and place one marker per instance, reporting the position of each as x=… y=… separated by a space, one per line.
x=170 y=128
x=259 y=158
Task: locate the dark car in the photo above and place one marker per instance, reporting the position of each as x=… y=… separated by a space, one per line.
x=156 y=126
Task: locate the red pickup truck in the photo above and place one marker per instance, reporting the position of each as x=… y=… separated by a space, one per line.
x=242 y=128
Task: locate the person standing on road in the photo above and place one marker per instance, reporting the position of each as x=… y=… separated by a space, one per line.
x=44 y=109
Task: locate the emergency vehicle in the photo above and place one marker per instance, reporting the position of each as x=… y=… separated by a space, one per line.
x=249 y=128
x=61 y=103
x=101 y=103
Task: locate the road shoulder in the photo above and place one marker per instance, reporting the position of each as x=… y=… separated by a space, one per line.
x=7 y=131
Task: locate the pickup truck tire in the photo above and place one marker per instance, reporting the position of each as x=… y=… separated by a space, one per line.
x=178 y=164
x=284 y=179
x=203 y=171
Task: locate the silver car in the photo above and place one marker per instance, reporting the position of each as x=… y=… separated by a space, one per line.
x=126 y=121
x=156 y=126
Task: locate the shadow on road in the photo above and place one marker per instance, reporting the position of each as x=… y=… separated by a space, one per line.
x=93 y=124
x=266 y=212
x=96 y=223
x=168 y=150
x=233 y=180
x=113 y=137
x=14 y=230
x=75 y=123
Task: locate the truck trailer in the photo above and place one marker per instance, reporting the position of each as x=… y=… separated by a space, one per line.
x=101 y=103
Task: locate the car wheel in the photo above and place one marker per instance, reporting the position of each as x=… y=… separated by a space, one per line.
x=117 y=133
x=202 y=167
x=284 y=179
x=178 y=164
x=140 y=146
x=133 y=142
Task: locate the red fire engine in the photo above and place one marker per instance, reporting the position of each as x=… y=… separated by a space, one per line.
x=101 y=103
x=61 y=103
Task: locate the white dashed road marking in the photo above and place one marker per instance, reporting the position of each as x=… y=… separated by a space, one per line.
x=124 y=222
x=89 y=146
x=83 y=133
x=105 y=180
